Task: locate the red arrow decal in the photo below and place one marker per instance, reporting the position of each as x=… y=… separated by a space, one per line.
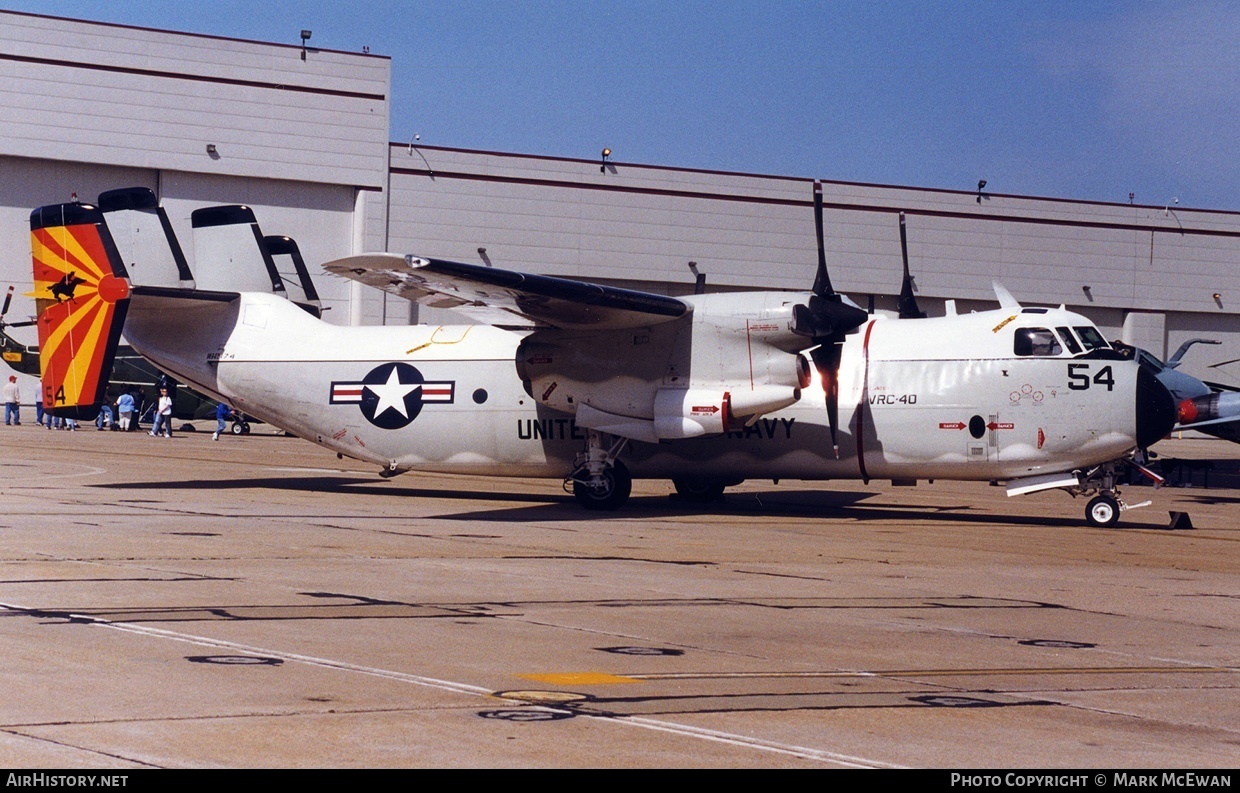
x=952 y=425
x=995 y=425
x=705 y=409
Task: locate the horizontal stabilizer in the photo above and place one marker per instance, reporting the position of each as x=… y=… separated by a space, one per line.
x=546 y=300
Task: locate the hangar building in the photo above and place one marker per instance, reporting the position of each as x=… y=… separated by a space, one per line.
x=301 y=135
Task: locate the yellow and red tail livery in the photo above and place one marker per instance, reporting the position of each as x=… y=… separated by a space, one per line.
x=81 y=294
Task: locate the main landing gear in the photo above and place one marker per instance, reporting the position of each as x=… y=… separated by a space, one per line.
x=599 y=480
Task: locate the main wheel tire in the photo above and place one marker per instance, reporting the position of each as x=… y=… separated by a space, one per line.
x=699 y=489
x=1102 y=512
x=611 y=495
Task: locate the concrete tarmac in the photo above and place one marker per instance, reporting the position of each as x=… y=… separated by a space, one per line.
x=255 y=602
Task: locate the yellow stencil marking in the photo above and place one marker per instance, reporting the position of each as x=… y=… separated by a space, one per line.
x=999 y=327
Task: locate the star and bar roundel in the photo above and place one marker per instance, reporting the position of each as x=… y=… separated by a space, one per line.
x=392 y=394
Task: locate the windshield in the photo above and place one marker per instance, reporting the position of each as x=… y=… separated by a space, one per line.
x=1091 y=338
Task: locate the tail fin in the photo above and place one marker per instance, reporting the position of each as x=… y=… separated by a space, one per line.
x=230 y=253
x=81 y=294
x=292 y=270
x=145 y=239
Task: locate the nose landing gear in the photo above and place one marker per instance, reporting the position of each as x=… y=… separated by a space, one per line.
x=1103 y=510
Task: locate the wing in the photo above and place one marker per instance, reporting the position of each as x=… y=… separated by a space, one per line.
x=547 y=301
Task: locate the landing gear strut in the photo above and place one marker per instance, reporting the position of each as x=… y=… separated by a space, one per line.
x=600 y=481
x=1104 y=508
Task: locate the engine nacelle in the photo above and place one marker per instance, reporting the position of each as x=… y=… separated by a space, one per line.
x=690 y=412
x=760 y=400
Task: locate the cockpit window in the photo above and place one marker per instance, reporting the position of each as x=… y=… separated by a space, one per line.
x=1036 y=341
x=1092 y=338
x=1069 y=340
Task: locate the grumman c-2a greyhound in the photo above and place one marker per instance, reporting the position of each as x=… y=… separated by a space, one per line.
x=610 y=384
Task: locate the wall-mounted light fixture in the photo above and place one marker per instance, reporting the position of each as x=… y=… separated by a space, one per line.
x=1089 y=292
x=1218 y=299
x=980 y=184
x=213 y=152
x=305 y=36
x=606 y=154
x=482 y=254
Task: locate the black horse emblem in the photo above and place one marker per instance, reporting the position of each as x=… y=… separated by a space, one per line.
x=64 y=288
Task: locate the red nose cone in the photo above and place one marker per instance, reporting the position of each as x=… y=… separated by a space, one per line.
x=1187 y=411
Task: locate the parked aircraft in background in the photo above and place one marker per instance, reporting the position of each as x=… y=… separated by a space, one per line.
x=1205 y=407
x=612 y=384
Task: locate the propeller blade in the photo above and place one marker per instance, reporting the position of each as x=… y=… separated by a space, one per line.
x=18 y=324
x=908 y=301
x=826 y=358
x=822 y=281
x=7 y=299
x=826 y=319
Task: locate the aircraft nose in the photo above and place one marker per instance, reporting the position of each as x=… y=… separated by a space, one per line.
x=1155 y=408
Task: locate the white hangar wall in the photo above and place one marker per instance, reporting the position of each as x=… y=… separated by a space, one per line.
x=1151 y=272
x=87 y=107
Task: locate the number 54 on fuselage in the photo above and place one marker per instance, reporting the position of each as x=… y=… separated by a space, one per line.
x=600 y=385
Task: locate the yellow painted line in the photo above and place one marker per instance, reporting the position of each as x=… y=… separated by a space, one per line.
x=580 y=679
x=1119 y=670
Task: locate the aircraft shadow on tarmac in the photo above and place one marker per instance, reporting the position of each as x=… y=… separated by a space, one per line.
x=543 y=507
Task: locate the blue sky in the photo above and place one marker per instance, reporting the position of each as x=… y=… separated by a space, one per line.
x=1082 y=100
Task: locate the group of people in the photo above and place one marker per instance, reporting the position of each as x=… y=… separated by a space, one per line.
x=128 y=406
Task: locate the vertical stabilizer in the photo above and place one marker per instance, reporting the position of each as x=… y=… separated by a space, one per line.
x=145 y=239
x=230 y=253
x=292 y=269
x=81 y=294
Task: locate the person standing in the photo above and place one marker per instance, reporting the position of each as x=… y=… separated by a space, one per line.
x=105 y=419
x=222 y=414
x=163 y=415
x=124 y=407
x=38 y=406
x=12 y=402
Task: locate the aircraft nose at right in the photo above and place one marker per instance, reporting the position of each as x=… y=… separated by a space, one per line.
x=1155 y=409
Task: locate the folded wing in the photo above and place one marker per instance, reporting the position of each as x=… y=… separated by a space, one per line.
x=544 y=300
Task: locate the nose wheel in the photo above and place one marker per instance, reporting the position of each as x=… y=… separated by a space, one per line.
x=1102 y=511
x=1102 y=483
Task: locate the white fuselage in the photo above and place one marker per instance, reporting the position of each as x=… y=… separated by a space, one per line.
x=930 y=398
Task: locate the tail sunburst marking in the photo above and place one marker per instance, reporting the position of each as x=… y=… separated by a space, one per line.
x=81 y=294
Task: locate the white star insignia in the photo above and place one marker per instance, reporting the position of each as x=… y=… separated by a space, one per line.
x=392 y=394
